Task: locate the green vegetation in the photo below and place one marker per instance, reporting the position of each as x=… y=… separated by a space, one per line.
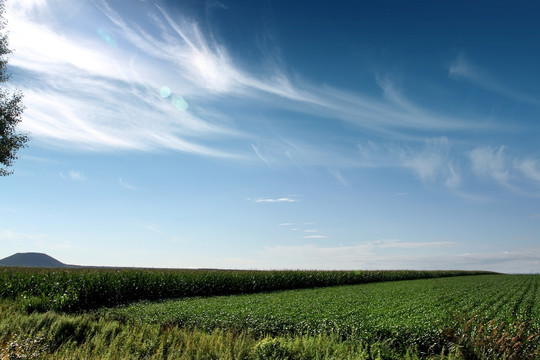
x=410 y=313
x=60 y=336
x=11 y=108
x=472 y=317
x=83 y=289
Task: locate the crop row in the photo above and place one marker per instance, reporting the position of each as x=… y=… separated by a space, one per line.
x=409 y=312
x=82 y=289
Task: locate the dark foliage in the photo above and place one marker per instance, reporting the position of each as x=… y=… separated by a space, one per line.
x=11 y=108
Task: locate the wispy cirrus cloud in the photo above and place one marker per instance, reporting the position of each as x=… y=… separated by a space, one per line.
x=162 y=82
x=463 y=68
x=491 y=162
x=127 y=185
x=437 y=161
x=95 y=96
x=432 y=161
x=530 y=168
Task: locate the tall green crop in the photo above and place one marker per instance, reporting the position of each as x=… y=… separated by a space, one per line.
x=80 y=289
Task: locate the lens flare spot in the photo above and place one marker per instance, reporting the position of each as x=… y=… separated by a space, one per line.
x=165 y=92
x=109 y=40
x=179 y=103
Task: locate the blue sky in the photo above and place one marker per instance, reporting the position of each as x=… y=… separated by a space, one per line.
x=277 y=134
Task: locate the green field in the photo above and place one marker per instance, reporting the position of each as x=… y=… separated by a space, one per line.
x=98 y=314
x=414 y=312
x=90 y=288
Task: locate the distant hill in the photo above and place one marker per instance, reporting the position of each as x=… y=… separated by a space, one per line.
x=32 y=260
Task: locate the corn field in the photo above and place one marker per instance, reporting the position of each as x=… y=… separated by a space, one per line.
x=83 y=289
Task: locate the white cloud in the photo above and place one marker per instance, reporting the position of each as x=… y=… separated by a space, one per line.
x=465 y=69
x=490 y=162
x=461 y=67
x=395 y=243
x=96 y=97
x=530 y=168
x=89 y=95
x=437 y=161
x=315 y=237
x=367 y=256
x=8 y=235
x=72 y=175
x=286 y=199
x=260 y=155
x=431 y=162
x=152 y=228
x=99 y=97
x=127 y=185
x=313 y=256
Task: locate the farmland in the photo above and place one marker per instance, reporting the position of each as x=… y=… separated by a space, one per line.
x=414 y=312
x=210 y=314
x=84 y=289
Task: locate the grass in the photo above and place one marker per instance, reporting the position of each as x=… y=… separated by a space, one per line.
x=63 y=336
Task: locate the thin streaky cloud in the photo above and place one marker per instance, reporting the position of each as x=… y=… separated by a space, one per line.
x=397 y=243
x=491 y=162
x=464 y=68
x=402 y=193
x=195 y=63
x=127 y=185
x=433 y=161
x=60 y=109
x=315 y=237
x=277 y=200
x=415 y=245
x=10 y=235
x=152 y=228
x=366 y=257
x=259 y=155
x=530 y=168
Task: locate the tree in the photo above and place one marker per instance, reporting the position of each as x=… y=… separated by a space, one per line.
x=11 y=108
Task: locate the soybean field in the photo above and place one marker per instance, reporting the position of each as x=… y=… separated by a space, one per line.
x=416 y=312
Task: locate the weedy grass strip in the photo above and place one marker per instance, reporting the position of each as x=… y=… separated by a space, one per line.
x=68 y=336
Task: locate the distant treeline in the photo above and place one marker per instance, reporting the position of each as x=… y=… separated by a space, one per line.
x=75 y=290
